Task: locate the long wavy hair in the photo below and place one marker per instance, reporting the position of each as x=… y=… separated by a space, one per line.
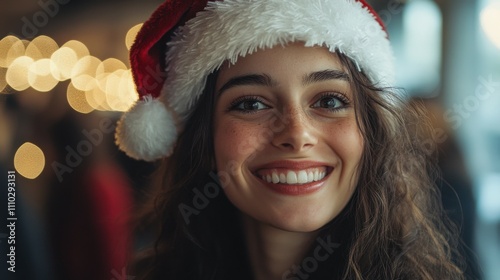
x=392 y=228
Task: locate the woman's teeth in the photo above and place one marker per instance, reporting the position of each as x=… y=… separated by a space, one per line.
x=294 y=177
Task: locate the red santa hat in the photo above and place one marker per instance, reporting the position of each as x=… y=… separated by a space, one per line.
x=184 y=41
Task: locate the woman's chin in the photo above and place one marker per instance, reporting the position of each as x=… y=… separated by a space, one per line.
x=294 y=223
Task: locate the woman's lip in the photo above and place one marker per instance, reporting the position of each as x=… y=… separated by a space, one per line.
x=292 y=165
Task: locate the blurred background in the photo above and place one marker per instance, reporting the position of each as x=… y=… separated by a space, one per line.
x=65 y=79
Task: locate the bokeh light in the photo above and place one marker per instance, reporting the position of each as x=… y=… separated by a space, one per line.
x=3 y=81
x=84 y=72
x=5 y=45
x=17 y=49
x=99 y=93
x=109 y=66
x=128 y=94
x=17 y=73
x=113 y=89
x=64 y=60
x=104 y=85
x=490 y=22
x=40 y=77
x=96 y=97
x=78 y=47
x=41 y=47
x=29 y=160
x=77 y=100
x=131 y=34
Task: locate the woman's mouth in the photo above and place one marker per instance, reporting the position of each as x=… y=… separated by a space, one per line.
x=292 y=177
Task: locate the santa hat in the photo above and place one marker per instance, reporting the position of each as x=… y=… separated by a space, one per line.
x=184 y=41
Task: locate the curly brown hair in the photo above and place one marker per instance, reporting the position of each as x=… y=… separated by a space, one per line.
x=399 y=220
x=393 y=227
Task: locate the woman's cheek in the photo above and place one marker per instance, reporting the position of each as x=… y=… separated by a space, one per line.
x=238 y=140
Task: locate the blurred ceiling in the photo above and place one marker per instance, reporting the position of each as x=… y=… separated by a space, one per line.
x=13 y=11
x=100 y=24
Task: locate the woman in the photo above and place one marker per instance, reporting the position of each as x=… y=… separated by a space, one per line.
x=286 y=153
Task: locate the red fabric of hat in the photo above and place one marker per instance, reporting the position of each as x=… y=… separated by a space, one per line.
x=148 y=50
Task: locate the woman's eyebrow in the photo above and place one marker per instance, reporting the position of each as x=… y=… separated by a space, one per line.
x=245 y=80
x=325 y=75
x=266 y=80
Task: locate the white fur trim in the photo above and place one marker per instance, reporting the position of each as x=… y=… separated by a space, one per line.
x=228 y=29
x=147 y=131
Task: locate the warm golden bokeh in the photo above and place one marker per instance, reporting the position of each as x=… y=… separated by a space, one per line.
x=109 y=66
x=97 y=96
x=84 y=72
x=95 y=84
x=78 y=47
x=127 y=92
x=3 y=81
x=41 y=47
x=77 y=100
x=5 y=45
x=17 y=49
x=29 y=160
x=17 y=73
x=40 y=77
x=131 y=34
x=64 y=60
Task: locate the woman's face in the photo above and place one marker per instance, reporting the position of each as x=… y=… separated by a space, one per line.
x=287 y=144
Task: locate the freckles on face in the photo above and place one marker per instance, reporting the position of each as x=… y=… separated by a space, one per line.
x=347 y=132
x=286 y=136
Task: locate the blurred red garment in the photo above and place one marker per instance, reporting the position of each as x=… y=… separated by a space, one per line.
x=90 y=230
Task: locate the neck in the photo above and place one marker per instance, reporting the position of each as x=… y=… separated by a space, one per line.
x=272 y=251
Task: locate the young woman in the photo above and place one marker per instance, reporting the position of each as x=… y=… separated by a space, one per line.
x=286 y=152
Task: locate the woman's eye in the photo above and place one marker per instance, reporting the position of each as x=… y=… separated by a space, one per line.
x=331 y=102
x=248 y=105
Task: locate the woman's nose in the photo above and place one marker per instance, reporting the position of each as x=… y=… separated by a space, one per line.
x=298 y=133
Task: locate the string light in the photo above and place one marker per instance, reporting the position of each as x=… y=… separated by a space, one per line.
x=109 y=66
x=40 y=77
x=490 y=21
x=84 y=72
x=64 y=60
x=5 y=45
x=41 y=47
x=97 y=97
x=41 y=64
x=3 y=81
x=17 y=73
x=131 y=34
x=77 y=100
x=17 y=49
x=29 y=160
x=78 y=47
x=93 y=84
x=128 y=94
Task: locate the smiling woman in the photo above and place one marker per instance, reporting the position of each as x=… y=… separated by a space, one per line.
x=305 y=173
x=287 y=153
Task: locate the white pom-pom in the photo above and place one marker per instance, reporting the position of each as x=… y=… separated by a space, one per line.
x=147 y=131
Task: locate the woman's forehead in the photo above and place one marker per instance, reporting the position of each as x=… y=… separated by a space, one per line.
x=293 y=59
